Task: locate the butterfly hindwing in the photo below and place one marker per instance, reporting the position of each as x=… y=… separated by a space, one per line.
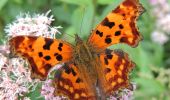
x=119 y=26
x=42 y=53
x=116 y=66
x=69 y=83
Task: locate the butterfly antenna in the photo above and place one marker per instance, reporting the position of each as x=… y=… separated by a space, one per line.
x=66 y=36
x=71 y=35
x=82 y=20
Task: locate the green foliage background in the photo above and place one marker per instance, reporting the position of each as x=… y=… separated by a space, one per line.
x=151 y=75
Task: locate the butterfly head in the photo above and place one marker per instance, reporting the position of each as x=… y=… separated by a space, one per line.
x=78 y=39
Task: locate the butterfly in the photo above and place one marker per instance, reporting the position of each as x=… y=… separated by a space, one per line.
x=90 y=70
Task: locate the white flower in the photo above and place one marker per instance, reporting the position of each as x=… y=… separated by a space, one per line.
x=38 y=25
x=164 y=23
x=26 y=98
x=3 y=61
x=162 y=30
x=159 y=37
x=14 y=78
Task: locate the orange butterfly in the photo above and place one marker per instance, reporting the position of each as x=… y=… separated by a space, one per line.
x=88 y=65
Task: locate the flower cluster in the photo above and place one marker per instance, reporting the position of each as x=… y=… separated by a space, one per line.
x=161 y=11
x=14 y=78
x=37 y=25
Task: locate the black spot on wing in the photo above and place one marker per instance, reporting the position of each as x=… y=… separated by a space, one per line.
x=59 y=57
x=73 y=72
x=107 y=23
x=67 y=69
x=99 y=33
x=106 y=61
x=78 y=80
x=47 y=57
x=109 y=56
x=60 y=45
x=40 y=54
x=59 y=48
x=107 y=70
x=117 y=33
x=47 y=44
x=121 y=26
x=108 y=40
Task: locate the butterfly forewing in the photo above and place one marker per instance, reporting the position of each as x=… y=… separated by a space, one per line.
x=119 y=26
x=42 y=53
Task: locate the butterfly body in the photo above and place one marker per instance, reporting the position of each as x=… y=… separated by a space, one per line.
x=86 y=60
x=90 y=71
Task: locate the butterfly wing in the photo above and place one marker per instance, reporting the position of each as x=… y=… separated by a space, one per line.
x=115 y=68
x=42 y=53
x=69 y=83
x=119 y=26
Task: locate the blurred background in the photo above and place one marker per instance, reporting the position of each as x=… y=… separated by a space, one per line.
x=152 y=56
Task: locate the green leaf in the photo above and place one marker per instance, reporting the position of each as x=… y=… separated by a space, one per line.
x=18 y=1
x=69 y=34
x=110 y=7
x=2 y=4
x=35 y=95
x=104 y=2
x=146 y=22
x=157 y=53
x=62 y=13
x=148 y=88
x=82 y=20
x=78 y=2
